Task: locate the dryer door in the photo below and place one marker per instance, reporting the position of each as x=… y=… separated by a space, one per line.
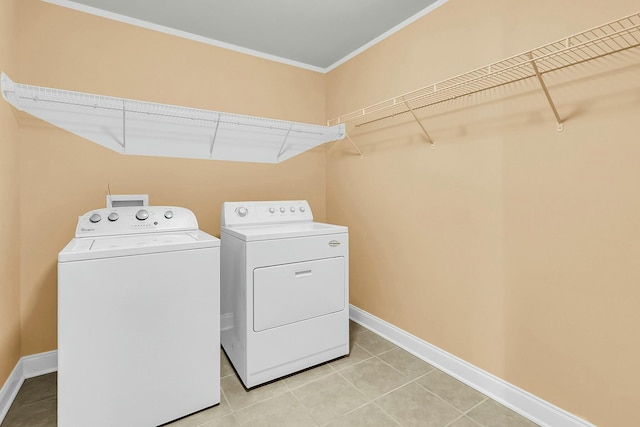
x=289 y=293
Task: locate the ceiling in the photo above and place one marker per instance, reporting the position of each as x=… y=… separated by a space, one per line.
x=313 y=34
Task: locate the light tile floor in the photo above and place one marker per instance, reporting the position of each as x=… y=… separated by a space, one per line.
x=378 y=384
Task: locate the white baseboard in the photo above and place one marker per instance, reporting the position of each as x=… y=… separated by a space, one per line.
x=526 y=404
x=40 y=364
x=10 y=389
x=27 y=367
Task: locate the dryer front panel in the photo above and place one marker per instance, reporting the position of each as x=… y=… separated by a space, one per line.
x=284 y=294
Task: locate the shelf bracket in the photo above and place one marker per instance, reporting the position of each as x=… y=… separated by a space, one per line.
x=215 y=134
x=284 y=142
x=560 y=125
x=424 y=131
x=124 y=127
x=346 y=135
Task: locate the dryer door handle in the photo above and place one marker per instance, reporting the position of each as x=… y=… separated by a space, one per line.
x=302 y=273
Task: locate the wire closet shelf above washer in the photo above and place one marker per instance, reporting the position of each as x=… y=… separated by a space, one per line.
x=613 y=37
x=145 y=128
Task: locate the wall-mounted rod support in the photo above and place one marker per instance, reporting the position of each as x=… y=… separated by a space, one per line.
x=346 y=135
x=284 y=142
x=546 y=92
x=426 y=134
x=215 y=134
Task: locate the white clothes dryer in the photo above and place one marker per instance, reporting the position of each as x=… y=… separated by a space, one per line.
x=284 y=289
x=138 y=318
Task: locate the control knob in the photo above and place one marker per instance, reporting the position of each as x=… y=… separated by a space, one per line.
x=113 y=216
x=272 y=210
x=95 y=218
x=302 y=209
x=242 y=211
x=282 y=210
x=168 y=214
x=292 y=209
x=142 y=215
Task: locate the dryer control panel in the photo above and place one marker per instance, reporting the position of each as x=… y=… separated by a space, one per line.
x=134 y=220
x=247 y=213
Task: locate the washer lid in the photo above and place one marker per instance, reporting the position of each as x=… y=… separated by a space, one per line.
x=114 y=246
x=250 y=233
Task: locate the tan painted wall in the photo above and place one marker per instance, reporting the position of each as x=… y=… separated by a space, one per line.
x=63 y=176
x=9 y=193
x=509 y=244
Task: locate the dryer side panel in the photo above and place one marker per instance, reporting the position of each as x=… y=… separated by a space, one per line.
x=233 y=301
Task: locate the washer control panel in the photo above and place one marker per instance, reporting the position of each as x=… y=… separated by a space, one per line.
x=247 y=213
x=135 y=219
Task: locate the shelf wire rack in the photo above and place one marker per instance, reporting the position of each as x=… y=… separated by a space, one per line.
x=610 y=38
x=146 y=128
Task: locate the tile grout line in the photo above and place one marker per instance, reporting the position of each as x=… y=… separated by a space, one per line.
x=395 y=388
x=250 y=390
x=346 y=413
x=476 y=405
x=379 y=338
x=337 y=372
x=398 y=371
x=300 y=402
x=354 y=386
x=374 y=401
x=437 y=396
x=466 y=413
x=390 y=350
x=454 y=420
x=368 y=401
x=386 y=413
x=358 y=362
x=371 y=400
x=415 y=380
x=328 y=364
x=459 y=418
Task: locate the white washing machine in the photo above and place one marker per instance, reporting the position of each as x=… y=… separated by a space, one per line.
x=284 y=289
x=138 y=318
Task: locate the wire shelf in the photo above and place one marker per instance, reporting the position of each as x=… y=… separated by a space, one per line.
x=146 y=128
x=607 y=39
